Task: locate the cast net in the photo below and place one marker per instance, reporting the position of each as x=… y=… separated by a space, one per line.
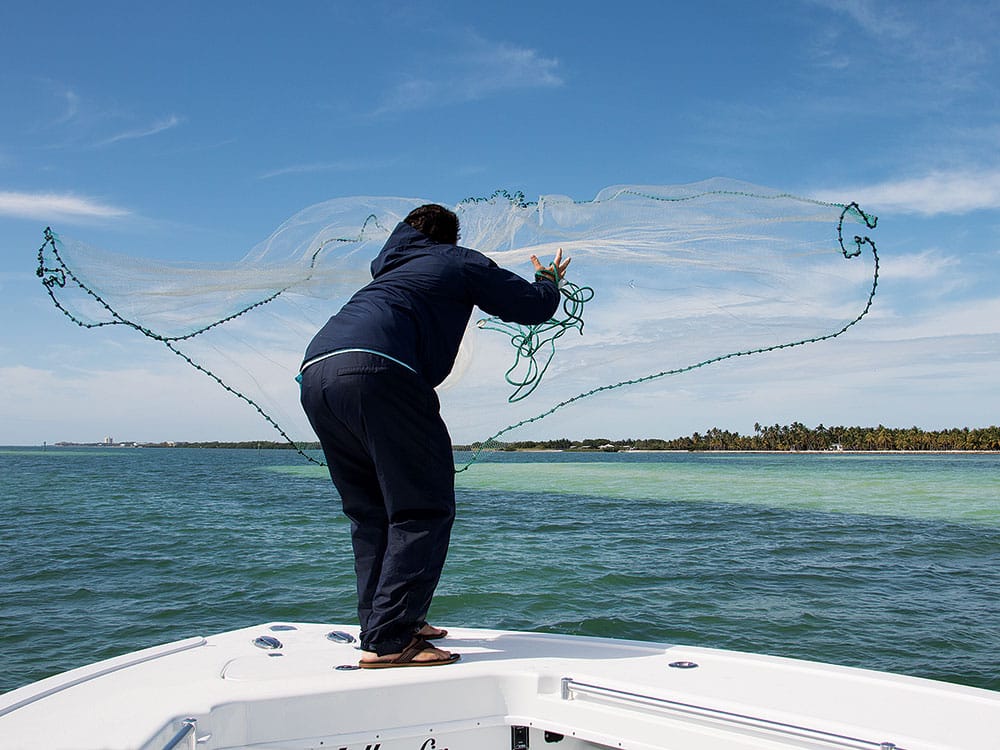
x=665 y=281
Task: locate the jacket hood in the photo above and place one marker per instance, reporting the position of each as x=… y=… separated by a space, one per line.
x=400 y=247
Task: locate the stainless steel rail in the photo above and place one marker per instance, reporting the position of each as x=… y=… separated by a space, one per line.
x=571 y=687
x=188 y=727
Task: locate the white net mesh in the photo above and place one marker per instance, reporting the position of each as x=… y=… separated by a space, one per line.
x=681 y=277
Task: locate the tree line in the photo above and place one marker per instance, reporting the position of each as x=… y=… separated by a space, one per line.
x=793 y=437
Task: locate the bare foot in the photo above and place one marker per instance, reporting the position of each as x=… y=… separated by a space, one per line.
x=430 y=632
x=410 y=655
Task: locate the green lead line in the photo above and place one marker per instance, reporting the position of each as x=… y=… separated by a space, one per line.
x=859 y=242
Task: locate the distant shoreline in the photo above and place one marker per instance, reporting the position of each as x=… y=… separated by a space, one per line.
x=722 y=450
x=272 y=445
x=793 y=438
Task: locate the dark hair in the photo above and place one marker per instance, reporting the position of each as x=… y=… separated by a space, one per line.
x=435 y=221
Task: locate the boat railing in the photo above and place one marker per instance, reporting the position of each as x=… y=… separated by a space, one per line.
x=186 y=734
x=572 y=688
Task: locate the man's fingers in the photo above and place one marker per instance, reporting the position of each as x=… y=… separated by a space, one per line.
x=558 y=265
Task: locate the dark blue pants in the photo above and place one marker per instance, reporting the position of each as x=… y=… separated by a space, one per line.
x=389 y=455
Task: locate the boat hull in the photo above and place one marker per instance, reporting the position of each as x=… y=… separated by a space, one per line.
x=294 y=686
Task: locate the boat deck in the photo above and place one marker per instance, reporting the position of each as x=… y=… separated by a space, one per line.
x=510 y=690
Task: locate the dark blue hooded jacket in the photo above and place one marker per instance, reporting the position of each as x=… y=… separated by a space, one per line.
x=420 y=299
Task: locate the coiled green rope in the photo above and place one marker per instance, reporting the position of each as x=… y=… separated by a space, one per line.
x=528 y=341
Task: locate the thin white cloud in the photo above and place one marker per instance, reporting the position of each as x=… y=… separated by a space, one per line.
x=929 y=264
x=48 y=206
x=72 y=104
x=945 y=44
x=499 y=66
x=955 y=192
x=85 y=405
x=323 y=166
x=878 y=19
x=980 y=317
x=479 y=69
x=157 y=127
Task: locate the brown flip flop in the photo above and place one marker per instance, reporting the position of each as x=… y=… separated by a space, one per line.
x=433 y=636
x=406 y=658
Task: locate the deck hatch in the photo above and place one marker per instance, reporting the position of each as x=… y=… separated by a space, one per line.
x=339 y=636
x=267 y=642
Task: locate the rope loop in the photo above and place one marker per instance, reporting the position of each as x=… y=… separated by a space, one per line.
x=530 y=341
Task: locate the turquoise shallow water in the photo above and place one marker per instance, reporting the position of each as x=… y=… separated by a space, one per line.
x=883 y=561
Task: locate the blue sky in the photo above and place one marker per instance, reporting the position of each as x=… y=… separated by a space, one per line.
x=192 y=130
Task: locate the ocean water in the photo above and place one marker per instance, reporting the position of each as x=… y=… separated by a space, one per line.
x=889 y=562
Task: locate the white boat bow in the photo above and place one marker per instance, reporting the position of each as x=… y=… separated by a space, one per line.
x=295 y=686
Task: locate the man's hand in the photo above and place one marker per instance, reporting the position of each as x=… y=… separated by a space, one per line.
x=556 y=270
